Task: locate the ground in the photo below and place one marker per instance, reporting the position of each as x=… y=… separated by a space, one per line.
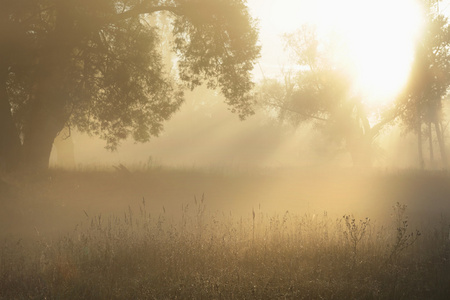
x=225 y=234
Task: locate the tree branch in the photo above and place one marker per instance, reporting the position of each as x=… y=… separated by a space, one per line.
x=299 y=113
x=375 y=130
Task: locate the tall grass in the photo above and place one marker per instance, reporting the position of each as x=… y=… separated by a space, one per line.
x=216 y=255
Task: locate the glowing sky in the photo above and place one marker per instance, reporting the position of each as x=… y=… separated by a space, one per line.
x=380 y=37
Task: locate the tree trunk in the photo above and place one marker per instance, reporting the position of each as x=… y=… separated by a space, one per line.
x=430 y=142
x=49 y=98
x=10 y=145
x=37 y=145
x=441 y=142
x=419 y=145
x=45 y=120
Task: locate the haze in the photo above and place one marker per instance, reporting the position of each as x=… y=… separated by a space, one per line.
x=377 y=56
x=224 y=149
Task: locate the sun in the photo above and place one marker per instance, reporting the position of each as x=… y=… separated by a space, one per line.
x=380 y=37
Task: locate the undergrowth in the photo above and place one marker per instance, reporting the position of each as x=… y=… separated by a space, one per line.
x=206 y=255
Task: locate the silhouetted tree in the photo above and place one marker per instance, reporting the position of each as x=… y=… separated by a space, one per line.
x=321 y=92
x=96 y=65
x=421 y=102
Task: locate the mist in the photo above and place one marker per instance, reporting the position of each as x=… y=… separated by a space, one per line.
x=211 y=149
x=205 y=134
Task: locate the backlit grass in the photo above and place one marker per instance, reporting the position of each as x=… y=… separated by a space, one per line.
x=206 y=254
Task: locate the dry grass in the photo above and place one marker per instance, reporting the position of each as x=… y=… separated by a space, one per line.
x=202 y=252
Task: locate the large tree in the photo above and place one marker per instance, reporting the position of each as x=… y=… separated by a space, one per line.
x=96 y=65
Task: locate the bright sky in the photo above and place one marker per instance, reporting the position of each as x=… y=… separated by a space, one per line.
x=380 y=37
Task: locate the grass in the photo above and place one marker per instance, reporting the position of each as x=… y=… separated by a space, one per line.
x=140 y=256
x=204 y=252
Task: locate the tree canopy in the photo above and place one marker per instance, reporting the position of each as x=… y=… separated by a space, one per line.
x=97 y=65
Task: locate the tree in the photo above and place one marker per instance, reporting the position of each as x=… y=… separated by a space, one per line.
x=321 y=92
x=421 y=102
x=95 y=65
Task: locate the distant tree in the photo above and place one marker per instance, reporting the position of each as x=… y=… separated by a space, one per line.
x=320 y=92
x=96 y=65
x=422 y=101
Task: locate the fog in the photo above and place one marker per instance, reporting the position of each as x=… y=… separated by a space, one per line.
x=205 y=134
x=335 y=187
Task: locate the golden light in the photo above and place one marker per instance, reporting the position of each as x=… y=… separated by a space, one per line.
x=379 y=35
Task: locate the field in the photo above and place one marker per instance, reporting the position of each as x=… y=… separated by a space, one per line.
x=160 y=233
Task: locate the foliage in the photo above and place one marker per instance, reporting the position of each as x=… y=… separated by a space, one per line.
x=98 y=66
x=220 y=48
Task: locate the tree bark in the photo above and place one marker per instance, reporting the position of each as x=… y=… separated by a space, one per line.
x=38 y=141
x=49 y=99
x=10 y=144
x=46 y=117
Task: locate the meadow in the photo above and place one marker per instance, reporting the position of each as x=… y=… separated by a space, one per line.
x=220 y=233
